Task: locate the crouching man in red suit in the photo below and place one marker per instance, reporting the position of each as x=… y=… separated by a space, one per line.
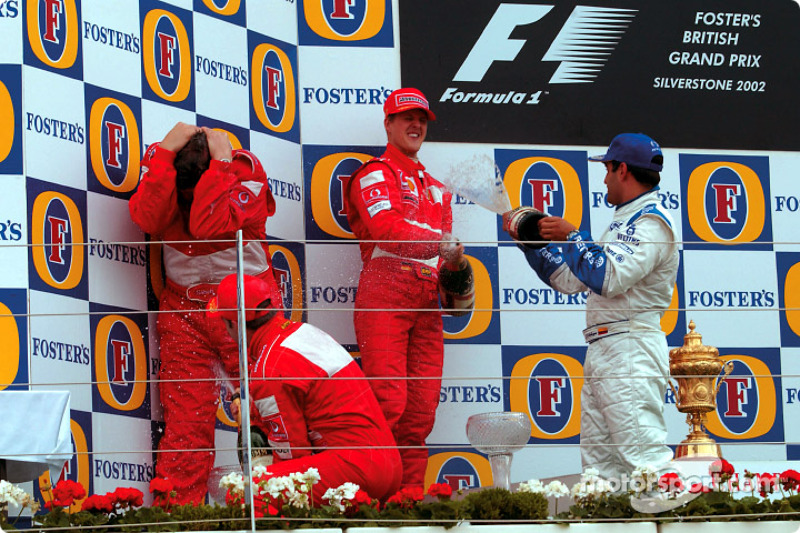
x=310 y=398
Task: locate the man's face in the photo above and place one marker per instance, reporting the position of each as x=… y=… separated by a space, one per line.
x=613 y=184
x=232 y=328
x=406 y=131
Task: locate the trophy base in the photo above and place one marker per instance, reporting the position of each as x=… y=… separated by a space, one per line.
x=698 y=450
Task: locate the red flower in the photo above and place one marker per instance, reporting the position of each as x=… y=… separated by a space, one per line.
x=127 y=497
x=407 y=496
x=721 y=467
x=95 y=502
x=767 y=483
x=259 y=512
x=262 y=505
x=67 y=490
x=790 y=479
x=699 y=487
x=413 y=493
x=159 y=485
x=670 y=482
x=362 y=497
x=440 y=490
x=163 y=492
x=232 y=498
x=395 y=498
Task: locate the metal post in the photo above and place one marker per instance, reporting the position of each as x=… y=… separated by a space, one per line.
x=244 y=380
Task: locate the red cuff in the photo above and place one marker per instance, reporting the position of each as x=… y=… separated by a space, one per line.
x=218 y=165
x=162 y=154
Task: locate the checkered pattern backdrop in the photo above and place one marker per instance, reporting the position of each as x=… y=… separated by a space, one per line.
x=86 y=85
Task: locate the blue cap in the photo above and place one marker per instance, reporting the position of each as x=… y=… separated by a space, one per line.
x=635 y=149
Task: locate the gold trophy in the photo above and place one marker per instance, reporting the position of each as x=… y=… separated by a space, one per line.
x=696 y=368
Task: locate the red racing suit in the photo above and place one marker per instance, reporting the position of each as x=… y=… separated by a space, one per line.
x=397 y=319
x=192 y=345
x=311 y=400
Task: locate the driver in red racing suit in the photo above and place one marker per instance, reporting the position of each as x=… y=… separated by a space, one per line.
x=197 y=189
x=310 y=398
x=398 y=324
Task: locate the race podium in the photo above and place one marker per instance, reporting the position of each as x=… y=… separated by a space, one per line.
x=35 y=434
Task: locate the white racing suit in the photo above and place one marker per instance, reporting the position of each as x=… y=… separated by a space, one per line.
x=630 y=273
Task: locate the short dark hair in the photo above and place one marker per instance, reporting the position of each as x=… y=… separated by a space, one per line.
x=192 y=161
x=643 y=175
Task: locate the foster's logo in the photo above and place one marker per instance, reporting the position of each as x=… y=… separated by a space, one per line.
x=673 y=321
x=329 y=174
x=550 y=394
x=670 y=318
x=546 y=180
x=53 y=32
x=726 y=199
x=78 y=468
x=167 y=57
x=225 y=418
x=460 y=470
x=57 y=236
x=789 y=271
x=120 y=366
x=289 y=277
x=274 y=91
x=223 y=7
x=10 y=132
x=746 y=401
x=114 y=145
x=477 y=325
x=13 y=335
x=361 y=22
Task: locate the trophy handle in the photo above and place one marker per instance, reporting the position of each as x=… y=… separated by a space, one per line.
x=727 y=368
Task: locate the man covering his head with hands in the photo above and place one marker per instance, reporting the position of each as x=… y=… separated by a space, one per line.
x=196 y=193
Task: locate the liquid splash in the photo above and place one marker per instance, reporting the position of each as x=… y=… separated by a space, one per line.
x=479 y=180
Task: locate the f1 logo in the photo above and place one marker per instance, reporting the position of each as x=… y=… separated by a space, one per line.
x=581 y=47
x=494 y=43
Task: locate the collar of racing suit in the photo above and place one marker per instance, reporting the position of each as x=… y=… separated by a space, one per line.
x=264 y=336
x=632 y=200
x=408 y=165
